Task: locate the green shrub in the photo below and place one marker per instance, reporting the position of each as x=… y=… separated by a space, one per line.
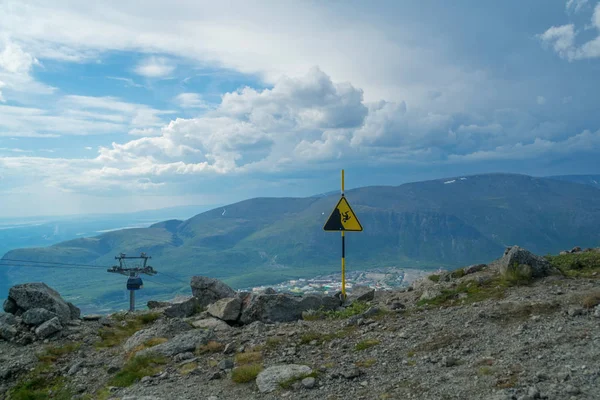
x=248 y=358
x=115 y=335
x=137 y=368
x=578 y=264
x=434 y=278
x=246 y=373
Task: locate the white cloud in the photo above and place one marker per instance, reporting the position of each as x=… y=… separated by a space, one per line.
x=300 y=124
x=128 y=81
x=155 y=67
x=190 y=100
x=575 y=5
x=562 y=40
x=541 y=100
x=15 y=71
x=14 y=60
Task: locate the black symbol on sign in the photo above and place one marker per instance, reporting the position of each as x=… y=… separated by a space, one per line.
x=346 y=217
x=334 y=223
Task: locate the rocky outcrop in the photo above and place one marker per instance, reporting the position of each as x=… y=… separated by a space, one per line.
x=226 y=309
x=48 y=328
x=208 y=290
x=269 y=380
x=181 y=343
x=183 y=309
x=163 y=328
x=361 y=293
x=27 y=296
x=37 y=316
x=517 y=256
x=269 y=308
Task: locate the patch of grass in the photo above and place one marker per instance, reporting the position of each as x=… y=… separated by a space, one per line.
x=366 y=344
x=517 y=275
x=52 y=353
x=434 y=278
x=473 y=290
x=116 y=335
x=356 y=308
x=38 y=383
x=288 y=383
x=591 y=300
x=485 y=370
x=366 y=363
x=273 y=342
x=248 y=358
x=577 y=265
x=210 y=347
x=411 y=353
x=246 y=373
x=137 y=368
x=187 y=368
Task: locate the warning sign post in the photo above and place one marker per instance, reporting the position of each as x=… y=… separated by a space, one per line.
x=343 y=219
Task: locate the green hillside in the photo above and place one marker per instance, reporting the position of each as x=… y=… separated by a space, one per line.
x=448 y=222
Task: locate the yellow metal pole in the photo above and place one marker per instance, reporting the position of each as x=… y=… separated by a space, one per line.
x=343 y=252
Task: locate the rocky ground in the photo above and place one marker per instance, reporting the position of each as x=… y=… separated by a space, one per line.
x=519 y=328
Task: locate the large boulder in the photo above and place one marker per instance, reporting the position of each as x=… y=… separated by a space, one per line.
x=282 y=307
x=226 y=309
x=37 y=316
x=270 y=379
x=7 y=332
x=183 y=309
x=27 y=296
x=208 y=290
x=361 y=293
x=48 y=328
x=181 y=343
x=163 y=328
x=517 y=256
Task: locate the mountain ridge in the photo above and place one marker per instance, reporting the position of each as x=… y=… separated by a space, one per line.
x=435 y=223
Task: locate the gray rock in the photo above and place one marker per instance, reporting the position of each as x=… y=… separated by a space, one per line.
x=75 y=311
x=39 y=295
x=269 y=379
x=163 y=328
x=226 y=309
x=282 y=307
x=183 y=309
x=449 y=361
x=574 y=311
x=309 y=382
x=37 y=316
x=225 y=364
x=351 y=372
x=430 y=293
x=10 y=306
x=213 y=324
x=48 y=328
x=181 y=343
x=75 y=368
x=92 y=317
x=361 y=293
x=519 y=257
x=8 y=319
x=597 y=312
x=371 y=312
x=471 y=269
x=269 y=290
x=184 y=356
x=208 y=290
x=152 y=304
x=7 y=332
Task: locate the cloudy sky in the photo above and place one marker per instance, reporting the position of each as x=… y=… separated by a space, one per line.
x=109 y=106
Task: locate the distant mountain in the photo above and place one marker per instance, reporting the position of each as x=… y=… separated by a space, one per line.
x=447 y=222
x=592 y=180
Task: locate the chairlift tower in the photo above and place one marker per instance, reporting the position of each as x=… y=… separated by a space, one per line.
x=134 y=282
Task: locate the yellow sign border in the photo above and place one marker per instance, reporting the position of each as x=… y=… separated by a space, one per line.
x=353 y=213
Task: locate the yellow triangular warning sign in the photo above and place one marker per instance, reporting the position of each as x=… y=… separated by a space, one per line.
x=342 y=218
